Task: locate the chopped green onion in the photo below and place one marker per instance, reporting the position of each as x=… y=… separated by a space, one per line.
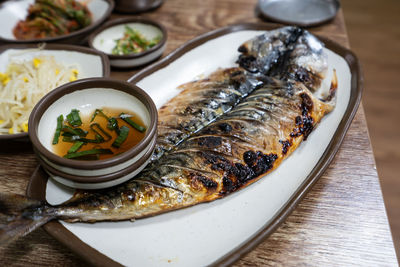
x=123 y=134
x=126 y=118
x=73 y=118
x=75 y=147
x=100 y=131
x=74 y=138
x=73 y=131
x=60 y=120
x=99 y=112
x=88 y=152
x=113 y=125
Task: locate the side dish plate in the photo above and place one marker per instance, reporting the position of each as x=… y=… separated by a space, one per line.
x=222 y=231
x=91 y=63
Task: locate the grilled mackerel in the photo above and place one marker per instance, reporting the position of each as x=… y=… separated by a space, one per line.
x=206 y=149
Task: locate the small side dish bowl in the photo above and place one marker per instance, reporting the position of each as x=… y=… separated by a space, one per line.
x=89 y=63
x=12 y=11
x=87 y=95
x=104 y=40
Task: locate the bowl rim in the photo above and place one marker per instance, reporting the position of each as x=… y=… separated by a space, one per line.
x=143 y=20
x=100 y=178
x=52 y=46
x=89 y=28
x=90 y=83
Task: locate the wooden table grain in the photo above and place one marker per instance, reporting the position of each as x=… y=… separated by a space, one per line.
x=341 y=222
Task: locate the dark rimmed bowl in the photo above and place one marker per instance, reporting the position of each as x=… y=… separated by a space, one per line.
x=13 y=11
x=92 y=63
x=87 y=95
x=136 y=6
x=104 y=38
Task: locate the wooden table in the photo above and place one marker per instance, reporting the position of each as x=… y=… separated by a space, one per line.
x=341 y=222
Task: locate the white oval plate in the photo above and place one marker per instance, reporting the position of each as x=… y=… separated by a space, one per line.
x=220 y=231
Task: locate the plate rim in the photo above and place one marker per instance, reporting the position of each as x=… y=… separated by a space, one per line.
x=38 y=180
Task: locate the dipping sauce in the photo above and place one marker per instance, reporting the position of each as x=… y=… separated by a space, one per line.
x=127 y=130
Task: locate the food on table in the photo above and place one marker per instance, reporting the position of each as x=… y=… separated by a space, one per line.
x=52 y=18
x=24 y=83
x=225 y=153
x=103 y=134
x=133 y=42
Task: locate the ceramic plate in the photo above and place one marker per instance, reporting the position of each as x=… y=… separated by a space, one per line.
x=90 y=63
x=12 y=11
x=222 y=231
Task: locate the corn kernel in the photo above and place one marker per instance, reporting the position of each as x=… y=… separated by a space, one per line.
x=72 y=78
x=6 y=80
x=24 y=127
x=75 y=72
x=1 y=121
x=3 y=75
x=11 y=130
x=57 y=71
x=26 y=79
x=36 y=62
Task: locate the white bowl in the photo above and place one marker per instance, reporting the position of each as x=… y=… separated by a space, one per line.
x=104 y=40
x=87 y=95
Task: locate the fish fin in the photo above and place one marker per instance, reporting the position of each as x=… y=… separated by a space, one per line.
x=20 y=226
x=22 y=216
x=331 y=98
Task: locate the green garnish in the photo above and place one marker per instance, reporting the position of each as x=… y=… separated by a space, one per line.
x=125 y=117
x=75 y=147
x=133 y=42
x=71 y=139
x=87 y=153
x=112 y=123
x=123 y=134
x=73 y=118
x=69 y=131
x=99 y=131
x=60 y=120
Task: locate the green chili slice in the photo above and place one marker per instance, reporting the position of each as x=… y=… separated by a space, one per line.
x=88 y=152
x=75 y=147
x=125 y=117
x=60 y=120
x=100 y=131
x=123 y=134
x=74 y=119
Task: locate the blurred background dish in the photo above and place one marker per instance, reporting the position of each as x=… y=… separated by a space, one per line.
x=136 y=6
x=26 y=67
x=130 y=42
x=59 y=23
x=302 y=13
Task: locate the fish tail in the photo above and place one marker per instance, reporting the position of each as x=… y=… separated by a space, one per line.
x=22 y=216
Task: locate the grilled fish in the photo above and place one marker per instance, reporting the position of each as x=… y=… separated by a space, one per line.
x=285 y=53
x=219 y=155
x=200 y=103
x=300 y=57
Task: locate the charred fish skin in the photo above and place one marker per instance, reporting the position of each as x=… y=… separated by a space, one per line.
x=200 y=103
x=230 y=153
x=296 y=54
